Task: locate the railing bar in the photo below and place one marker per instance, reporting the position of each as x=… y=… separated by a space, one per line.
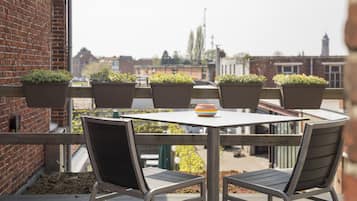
x=156 y=139
x=199 y=93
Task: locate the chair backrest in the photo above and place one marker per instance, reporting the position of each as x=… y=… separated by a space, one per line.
x=112 y=152
x=320 y=152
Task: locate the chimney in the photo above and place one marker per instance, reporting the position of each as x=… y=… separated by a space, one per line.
x=325 y=50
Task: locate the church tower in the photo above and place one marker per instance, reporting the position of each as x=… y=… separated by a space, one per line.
x=325 y=50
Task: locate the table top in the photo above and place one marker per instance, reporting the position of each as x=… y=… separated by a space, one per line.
x=221 y=120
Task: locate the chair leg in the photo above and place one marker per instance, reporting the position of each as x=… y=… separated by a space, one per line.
x=270 y=198
x=148 y=197
x=94 y=192
x=203 y=191
x=333 y=194
x=225 y=190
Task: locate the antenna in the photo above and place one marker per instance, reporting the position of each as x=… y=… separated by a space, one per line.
x=204 y=27
x=212 y=42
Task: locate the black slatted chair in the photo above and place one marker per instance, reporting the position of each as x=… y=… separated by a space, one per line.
x=113 y=155
x=314 y=171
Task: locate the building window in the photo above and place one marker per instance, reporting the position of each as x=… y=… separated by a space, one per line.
x=287 y=70
x=334 y=76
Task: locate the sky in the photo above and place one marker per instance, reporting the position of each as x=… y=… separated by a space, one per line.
x=145 y=28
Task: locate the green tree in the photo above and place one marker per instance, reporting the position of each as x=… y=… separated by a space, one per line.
x=199 y=43
x=191 y=40
x=176 y=58
x=95 y=67
x=210 y=55
x=165 y=58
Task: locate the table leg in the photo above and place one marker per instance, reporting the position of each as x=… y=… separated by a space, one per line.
x=213 y=142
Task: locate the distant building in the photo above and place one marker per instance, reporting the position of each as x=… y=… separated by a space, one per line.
x=126 y=64
x=143 y=62
x=197 y=72
x=328 y=67
x=83 y=58
x=233 y=66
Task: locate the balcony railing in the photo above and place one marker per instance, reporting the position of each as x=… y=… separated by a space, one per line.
x=198 y=93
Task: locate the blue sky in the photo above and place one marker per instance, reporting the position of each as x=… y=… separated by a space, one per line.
x=143 y=28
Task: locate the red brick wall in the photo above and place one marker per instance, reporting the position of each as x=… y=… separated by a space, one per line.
x=265 y=65
x=24 y=45
x=59 y=51
x=126 y=64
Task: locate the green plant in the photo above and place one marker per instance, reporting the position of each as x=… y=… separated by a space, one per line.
x=190 y=160
x=41 y=76
x=106 y=75
x=178 y=78
x=241 y=79
x=281 y=79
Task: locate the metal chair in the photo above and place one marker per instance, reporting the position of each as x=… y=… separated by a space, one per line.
x=113 y=155
x=314 y=171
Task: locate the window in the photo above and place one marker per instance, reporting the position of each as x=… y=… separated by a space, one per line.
x=334 y=76
x=287 y=70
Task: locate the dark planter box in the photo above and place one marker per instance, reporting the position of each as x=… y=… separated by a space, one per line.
x=171 y=95
x=51 y=95
x=239 y=95
x=113 y=95
x=301 y=96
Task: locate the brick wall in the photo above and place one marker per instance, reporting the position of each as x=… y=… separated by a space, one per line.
x=265 y=65
x=126 y=64
x=59 y=50
x=350 y=82
x=25 y=30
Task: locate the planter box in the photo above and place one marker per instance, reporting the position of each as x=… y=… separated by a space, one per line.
x=171 y=95
x=51 y=95
x=239 y=95
x=113 y=95
x=301 y=96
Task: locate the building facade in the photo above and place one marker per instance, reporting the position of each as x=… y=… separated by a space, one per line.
x=233 y=66
x=38 y=40
x=196 y=72
x=328 y=67
x=83 y=58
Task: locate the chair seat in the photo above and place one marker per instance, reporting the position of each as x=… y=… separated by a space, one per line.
x=262 y=180
x=156 y=177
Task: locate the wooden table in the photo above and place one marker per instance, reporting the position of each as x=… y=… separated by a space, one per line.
x=222 y=119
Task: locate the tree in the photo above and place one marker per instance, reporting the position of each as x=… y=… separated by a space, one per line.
x=176 y=58
x=243 y=56
x=190 y=44
x=95 y=67
x=165 y=58
x=198 y=51
x=210 y=54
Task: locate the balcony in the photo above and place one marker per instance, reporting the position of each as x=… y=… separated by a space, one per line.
x=153 y=139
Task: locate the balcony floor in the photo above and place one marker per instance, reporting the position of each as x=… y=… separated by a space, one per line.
x=169 y=197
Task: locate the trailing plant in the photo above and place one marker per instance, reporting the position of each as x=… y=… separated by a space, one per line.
x=108 y=76
x=303 y=79
x=241 y=79
x=179 y=78
x=41 y=76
